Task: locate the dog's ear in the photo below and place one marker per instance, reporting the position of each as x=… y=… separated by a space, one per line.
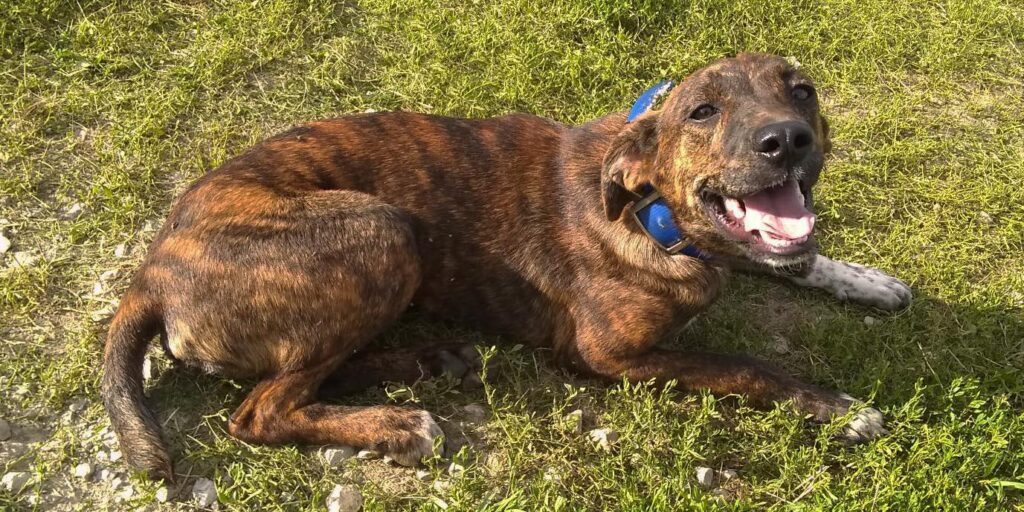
x=826 y=138
x=629 y=163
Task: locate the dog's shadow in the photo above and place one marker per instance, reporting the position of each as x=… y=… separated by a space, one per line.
x=888 y=358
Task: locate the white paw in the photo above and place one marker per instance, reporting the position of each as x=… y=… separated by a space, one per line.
x=423 y=442
x=866 y=425
x=857 y=283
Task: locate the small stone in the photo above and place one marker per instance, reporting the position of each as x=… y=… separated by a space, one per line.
x=780 y=345
x=108 y=275
x=985 y=218
x=147 y=369
x=456 y=470
x=335 y=456
x=441 y=485
x=369 y=111
x=84 y=471
x=204 y=493
x=23 y=259
x=117 y=482
x=367 y=455
x=5 y=244
x=72 y=213
x=115 y=456
x=552 y=475
x=345 y=498
x=78 y=406
x=22 y=390
x=5 y=430
x=162 y=495
x=148 y=226
x=574 y=421
x=706 y=477
x=422 y=474
x=126 y=493
x=729 y=474
x=870 y=320
x=475 y=413
x=120 y=251
x=97 y=288
x=16 y=481
x=106 y=474
x=604 y=437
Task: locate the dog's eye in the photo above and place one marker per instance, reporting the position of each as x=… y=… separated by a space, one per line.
x=703 y=112
x=802 y=92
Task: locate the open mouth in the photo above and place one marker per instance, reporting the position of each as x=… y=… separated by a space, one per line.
x=775 y=220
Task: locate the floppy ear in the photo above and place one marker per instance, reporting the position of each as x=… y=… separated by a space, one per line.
x=826 y=139
x=629 y=163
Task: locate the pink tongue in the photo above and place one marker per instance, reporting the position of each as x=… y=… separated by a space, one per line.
x=779 y=211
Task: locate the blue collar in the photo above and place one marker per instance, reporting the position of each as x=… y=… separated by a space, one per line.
x=651 y=212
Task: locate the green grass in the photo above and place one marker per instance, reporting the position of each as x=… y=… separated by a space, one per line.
x=118 y=106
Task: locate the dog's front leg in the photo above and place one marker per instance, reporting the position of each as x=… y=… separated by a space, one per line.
x=856 y=283
x=611 y=353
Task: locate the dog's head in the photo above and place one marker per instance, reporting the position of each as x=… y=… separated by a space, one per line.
x=734 y=150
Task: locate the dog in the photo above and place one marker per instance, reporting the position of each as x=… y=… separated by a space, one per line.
x=284 y=263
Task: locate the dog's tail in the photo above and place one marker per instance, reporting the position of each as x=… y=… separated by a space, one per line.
x=136 y=321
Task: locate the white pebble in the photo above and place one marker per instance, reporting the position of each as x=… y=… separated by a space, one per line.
x=5 y=430
x=345 y=498
x=120 y=251
x=604 y=437
x=23 y=259
x=780 y=344
x=115 y=456
x=108 y=275
x=72 y=213
x=422 y=474
x=336 y=455
x=706 y=477
x=84 y=471
x=204 y=493
x=106 y=474
x=475 y=413
x=367 y=455
x=78 y=405
x=148 y=372
x=5 y=244
x=456 y=470
x=729 y=474
x=16 y=481
x=870 y=320
x=574 y=421
x=163 y=494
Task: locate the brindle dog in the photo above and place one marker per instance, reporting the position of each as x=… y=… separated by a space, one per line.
x=287 y=261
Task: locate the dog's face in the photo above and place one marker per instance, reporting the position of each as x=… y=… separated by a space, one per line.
x=734 y=151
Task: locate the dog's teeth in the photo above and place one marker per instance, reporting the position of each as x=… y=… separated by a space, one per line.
x=735 y=208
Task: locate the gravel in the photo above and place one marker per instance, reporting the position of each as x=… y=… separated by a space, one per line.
x=84 y=471
x=604 y=437
x=204 y=493
x=456 y=470
x=16 y=481
x=163 y=495
x=706 y=477
x=5 y=244
x=345 y=498
x=336 y=455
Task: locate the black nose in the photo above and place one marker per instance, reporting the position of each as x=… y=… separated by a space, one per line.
x=785 y=142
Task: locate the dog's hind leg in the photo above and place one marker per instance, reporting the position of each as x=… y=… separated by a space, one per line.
x=405 y=365
x=283 y=409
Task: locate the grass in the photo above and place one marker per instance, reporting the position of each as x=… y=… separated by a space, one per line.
x=117 y=106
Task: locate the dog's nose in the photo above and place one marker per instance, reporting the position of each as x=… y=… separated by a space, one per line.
x=784 y=142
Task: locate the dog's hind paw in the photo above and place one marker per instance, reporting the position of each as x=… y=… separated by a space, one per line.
x=867 y=424
x=418 y=441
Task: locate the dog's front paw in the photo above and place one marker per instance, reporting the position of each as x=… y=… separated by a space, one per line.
x=857 y=283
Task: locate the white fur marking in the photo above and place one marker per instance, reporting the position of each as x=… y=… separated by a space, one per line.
x=426 y=433
x=857 y=283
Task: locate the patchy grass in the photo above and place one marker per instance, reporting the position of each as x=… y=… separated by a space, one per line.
x=118 y=106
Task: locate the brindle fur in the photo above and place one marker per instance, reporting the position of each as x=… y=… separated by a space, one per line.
x=288 y=259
